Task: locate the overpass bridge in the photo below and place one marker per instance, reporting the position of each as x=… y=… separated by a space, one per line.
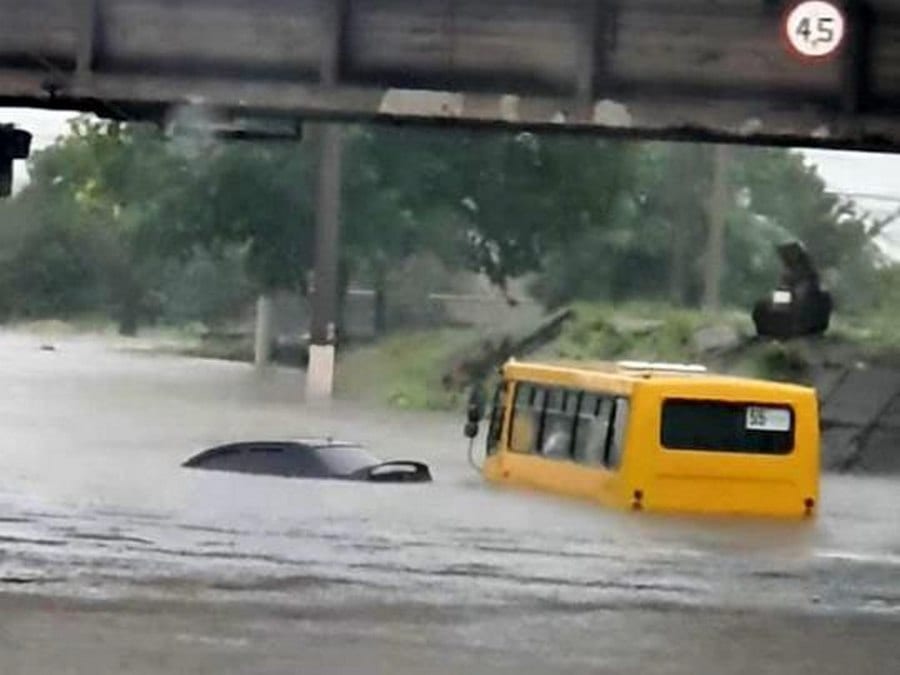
x=745 y=71
x=702 y=69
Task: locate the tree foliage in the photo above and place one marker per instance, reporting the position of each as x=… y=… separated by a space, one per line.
x=118 y=219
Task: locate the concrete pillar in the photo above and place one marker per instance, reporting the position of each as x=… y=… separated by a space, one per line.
x=263 y=341
x=323 y=324
x=320 y=373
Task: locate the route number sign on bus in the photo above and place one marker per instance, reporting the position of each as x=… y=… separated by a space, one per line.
x=761 y=418
x=814 y=29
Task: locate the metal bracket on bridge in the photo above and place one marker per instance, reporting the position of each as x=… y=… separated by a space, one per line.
x=14 y=144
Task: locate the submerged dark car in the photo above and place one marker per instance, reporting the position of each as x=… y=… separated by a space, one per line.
x=308 y=458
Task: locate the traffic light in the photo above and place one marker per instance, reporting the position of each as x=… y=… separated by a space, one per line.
x=14 y=144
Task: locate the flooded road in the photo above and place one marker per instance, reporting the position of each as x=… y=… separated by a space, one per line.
x=103 y=534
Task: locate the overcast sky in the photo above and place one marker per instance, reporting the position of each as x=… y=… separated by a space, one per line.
x=873 y=179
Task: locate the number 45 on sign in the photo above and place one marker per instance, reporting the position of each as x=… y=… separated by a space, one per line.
x=814 y=28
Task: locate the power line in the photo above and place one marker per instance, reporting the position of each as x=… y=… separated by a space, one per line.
x=875 y=197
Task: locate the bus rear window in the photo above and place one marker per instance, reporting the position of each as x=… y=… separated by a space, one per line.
x=719 y=426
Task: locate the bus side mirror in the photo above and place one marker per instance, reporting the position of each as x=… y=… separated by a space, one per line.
x=476 y=408
x=475 y=411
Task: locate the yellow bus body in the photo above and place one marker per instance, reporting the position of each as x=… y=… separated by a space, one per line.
x=651 y=477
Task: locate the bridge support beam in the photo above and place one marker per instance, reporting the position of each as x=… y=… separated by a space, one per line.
x=263 y=340
x=323 y=329
x=715 y=243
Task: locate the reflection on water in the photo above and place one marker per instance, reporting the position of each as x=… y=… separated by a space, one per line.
x=92 y=500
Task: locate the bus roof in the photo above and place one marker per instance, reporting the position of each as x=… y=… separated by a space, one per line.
x=621 y=377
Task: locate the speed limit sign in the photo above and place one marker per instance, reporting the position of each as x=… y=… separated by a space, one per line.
x=814 y=29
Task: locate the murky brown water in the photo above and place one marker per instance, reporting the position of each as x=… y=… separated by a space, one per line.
x=93 y=504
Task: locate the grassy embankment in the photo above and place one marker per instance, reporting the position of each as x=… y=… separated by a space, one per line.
x=406 y=370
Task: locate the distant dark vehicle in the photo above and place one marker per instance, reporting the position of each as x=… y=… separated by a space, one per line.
x=308 y=458
x=799 y=306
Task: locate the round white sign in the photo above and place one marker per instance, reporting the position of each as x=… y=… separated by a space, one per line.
x=815 y=28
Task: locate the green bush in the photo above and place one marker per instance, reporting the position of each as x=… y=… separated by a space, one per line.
x=47 y=270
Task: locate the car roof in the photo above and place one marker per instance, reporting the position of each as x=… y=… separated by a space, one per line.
x=321 y=443
x=305 y=457
x=622 y=376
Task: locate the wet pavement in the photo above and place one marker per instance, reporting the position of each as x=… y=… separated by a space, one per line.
x=97 y=516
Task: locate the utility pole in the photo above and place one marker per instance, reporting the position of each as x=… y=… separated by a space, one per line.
x=323 y=329
x=328 y=140
x=719 y=203
x=675 y=199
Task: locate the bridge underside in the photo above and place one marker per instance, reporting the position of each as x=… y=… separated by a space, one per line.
x=702 y=69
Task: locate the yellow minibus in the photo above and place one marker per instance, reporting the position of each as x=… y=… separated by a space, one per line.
x=655 y=437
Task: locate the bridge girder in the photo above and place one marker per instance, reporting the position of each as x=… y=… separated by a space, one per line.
x=704 y=69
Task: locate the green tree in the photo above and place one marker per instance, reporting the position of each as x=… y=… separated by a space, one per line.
x=651 y=243
x=112 y=206
x=96 y=187
x=512 y=200
x=223 y=195
x=47 y=266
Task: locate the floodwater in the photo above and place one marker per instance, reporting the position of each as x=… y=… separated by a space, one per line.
x=94 y=507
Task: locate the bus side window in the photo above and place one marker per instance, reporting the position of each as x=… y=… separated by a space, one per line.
x=617 y=436
x=591 y=429
x=526 y=418
x=495 y=430
x=584 y=421
x=559 y=415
